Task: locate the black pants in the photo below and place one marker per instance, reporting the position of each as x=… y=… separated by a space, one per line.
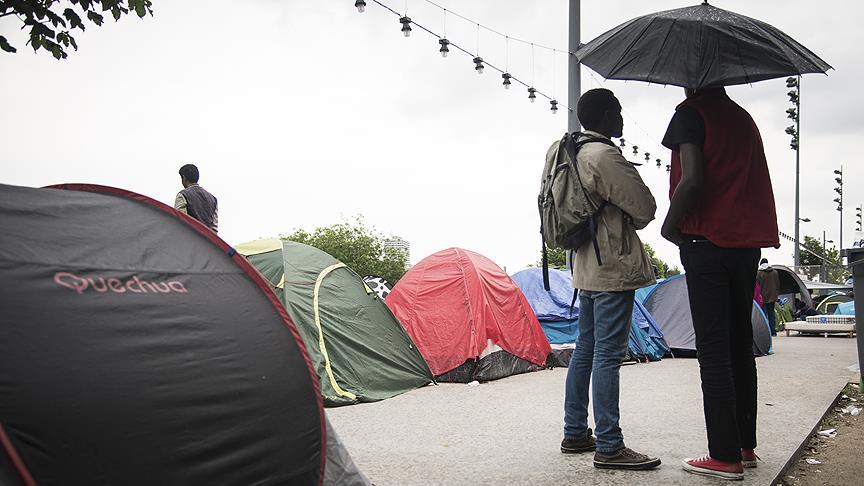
x=720 y=283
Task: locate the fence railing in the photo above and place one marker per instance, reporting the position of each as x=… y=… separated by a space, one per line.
x=833 y=274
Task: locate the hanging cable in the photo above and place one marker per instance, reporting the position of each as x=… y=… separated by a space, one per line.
x=533 y=93
x=478 y=61
x=506 y=73
x=496 y=32
x=553 y=74
x=443 y=42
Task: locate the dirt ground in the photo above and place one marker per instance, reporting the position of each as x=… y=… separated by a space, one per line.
x=839 y=456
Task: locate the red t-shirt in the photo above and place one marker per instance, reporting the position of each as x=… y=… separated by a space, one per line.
x=735 y=208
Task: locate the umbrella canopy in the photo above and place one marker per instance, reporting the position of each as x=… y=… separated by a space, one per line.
x=698 y=47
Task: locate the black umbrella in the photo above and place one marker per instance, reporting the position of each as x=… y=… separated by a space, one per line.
x=698 y=47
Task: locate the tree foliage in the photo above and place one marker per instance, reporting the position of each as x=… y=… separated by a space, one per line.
x=357 y=246
x=51 y=22
x=558 y=259
x=812 y=264
x=663 y=268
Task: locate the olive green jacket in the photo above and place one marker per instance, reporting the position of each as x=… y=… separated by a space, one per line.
x=608 y=176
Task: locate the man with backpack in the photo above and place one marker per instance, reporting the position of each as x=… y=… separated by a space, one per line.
x=606 y=270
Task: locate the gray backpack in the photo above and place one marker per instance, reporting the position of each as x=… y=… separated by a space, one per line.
x=568 y=216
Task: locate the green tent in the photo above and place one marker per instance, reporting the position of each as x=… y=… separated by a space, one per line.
x=359 y=350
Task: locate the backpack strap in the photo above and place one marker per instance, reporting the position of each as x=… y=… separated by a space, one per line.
x=573 y=149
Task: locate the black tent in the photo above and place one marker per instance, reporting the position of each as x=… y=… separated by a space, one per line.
x=136 y=347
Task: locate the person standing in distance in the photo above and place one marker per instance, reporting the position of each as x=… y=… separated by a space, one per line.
x=769 y=285
x=721 y=214
x=606 y=291
x=195 y=201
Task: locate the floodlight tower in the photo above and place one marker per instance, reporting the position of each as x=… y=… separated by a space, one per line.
x=839 y=200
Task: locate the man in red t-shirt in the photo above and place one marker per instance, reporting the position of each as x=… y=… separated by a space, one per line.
x=721 y=214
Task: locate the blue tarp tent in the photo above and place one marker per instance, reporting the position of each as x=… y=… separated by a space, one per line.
x=561 y=332
x=560 y=324
x=845 y=309
x=646 y=339
x=553 y=305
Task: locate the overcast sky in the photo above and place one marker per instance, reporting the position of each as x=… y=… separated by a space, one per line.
x=306 y=113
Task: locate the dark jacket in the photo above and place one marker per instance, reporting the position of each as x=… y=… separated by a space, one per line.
x=769 y=280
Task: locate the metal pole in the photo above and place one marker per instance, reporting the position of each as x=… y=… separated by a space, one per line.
x=824 y=254
x=574 y=80
x=797 y=257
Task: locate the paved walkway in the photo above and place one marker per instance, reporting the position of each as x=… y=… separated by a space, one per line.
x=508 y=431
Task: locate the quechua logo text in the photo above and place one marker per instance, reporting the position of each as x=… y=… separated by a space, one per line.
x=134 y=285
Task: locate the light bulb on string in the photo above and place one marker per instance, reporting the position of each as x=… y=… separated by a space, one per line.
x=554 y=107
x=361 y=6
x=622 y=142
x=531 y=96
x=478 y=65
x=444 y=49
x=658 y=163
x=506 y=82
x=406 y=26
x=635 y=150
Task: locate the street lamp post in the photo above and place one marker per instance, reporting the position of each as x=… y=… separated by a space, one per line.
x=574 y=77
x=797 y=255
x=839 y=200
x=795 y=131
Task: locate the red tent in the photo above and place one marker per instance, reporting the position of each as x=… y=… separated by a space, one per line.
x=464 y=312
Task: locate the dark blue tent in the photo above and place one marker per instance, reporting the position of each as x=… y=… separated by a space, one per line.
x=560 y=324
x=646 y=339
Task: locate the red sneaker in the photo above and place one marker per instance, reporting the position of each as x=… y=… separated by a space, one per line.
x=706 y=466
x=749 y=458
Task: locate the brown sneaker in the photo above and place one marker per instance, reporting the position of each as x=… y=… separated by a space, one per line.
x=574 y=446
x=624 y=458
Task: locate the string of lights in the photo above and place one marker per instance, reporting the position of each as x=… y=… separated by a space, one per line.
x=808 y=250
x=479 y=63
x=508 y=79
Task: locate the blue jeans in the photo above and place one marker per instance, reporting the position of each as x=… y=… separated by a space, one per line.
x=768 y=307
x=604 y=330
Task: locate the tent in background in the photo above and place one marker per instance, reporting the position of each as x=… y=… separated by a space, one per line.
x=468 y=318
x=379 y=285
x=136 y=347
x=845 y=309
x=829 y=304
x=551 y=305
x=646 y=338
x=359 y=350
x=791 y=284
x=668 y=302
x=560 y=322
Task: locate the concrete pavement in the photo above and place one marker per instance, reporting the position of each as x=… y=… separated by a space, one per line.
x=508 y=431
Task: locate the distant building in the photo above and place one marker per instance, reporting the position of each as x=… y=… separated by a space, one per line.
x=400 y=244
